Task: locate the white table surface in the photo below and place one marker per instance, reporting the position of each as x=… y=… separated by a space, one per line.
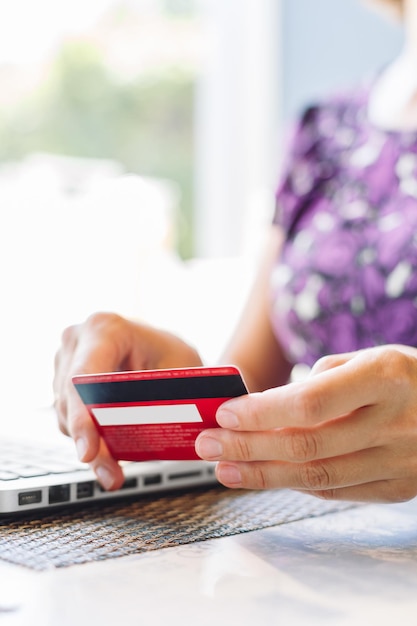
x=357 y=567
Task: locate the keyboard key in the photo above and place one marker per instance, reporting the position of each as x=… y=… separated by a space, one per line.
x=27 y=471
x=6 y=475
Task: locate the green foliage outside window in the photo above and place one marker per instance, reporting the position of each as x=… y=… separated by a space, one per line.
x=83 y=110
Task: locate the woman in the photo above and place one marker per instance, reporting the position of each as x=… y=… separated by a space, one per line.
x=339 y=277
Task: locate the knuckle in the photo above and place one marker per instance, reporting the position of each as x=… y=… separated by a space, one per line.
x=315 y=476
x=301 y=445
x=60 y=406
x=394 y=368
x=400 y=491
x=99 y=319
x=326 y=494
x=62 y=422
x=243 y=448
x=63 y=427
x=325 y=363
x=68 y=334
x=259 y=477
x=307 y=405
x=254 y=413
x=76 y=425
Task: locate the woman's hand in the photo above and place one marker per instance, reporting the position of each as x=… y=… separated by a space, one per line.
x=348 y=432
x=106 y=342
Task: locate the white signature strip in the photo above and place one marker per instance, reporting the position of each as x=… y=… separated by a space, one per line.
x=149 y=414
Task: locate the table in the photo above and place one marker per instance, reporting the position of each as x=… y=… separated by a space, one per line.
x=353 y=567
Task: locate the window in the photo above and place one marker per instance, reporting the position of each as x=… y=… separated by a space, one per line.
x=132 y=132
x=110 y=81
x=238 y=124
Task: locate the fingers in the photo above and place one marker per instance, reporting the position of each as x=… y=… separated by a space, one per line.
x=368 y=378
x=73 y=416
x=295 y=444
x=107 y=470
x=61 y=366
x=87 y=348
x=330 y=361
x=107 y=342
x=382 y=491
x=363 y=476
x=81 y=428
x=90 y=448
x=102 y=344
x=346 y=432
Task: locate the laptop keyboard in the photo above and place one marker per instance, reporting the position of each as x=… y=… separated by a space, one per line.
x=19 y=460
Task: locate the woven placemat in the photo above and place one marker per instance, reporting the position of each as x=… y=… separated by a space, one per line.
x=97 y=532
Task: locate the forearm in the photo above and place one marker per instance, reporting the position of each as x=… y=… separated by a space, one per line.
x=262 y=363
x=254 y=347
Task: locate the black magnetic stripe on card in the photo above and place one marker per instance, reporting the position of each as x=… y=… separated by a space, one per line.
x=187 y=388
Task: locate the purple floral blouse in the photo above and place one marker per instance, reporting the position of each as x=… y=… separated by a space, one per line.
x=347 y=276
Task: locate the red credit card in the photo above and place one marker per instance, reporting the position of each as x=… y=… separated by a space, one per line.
x=157 y=414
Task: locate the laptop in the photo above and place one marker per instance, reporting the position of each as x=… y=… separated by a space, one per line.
x=36 y=475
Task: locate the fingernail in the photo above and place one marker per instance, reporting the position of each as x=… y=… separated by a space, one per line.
x=209 y=448
x=104 y=476
x=227 y=418
x=81 y=447
x=229 y=475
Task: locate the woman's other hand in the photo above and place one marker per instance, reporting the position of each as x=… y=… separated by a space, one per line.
x=347 y=432
x=107 y=342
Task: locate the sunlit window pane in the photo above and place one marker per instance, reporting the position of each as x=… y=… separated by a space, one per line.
x=96 y=164
x=110 y=80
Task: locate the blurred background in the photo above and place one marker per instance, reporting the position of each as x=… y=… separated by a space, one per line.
x=140 y=147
